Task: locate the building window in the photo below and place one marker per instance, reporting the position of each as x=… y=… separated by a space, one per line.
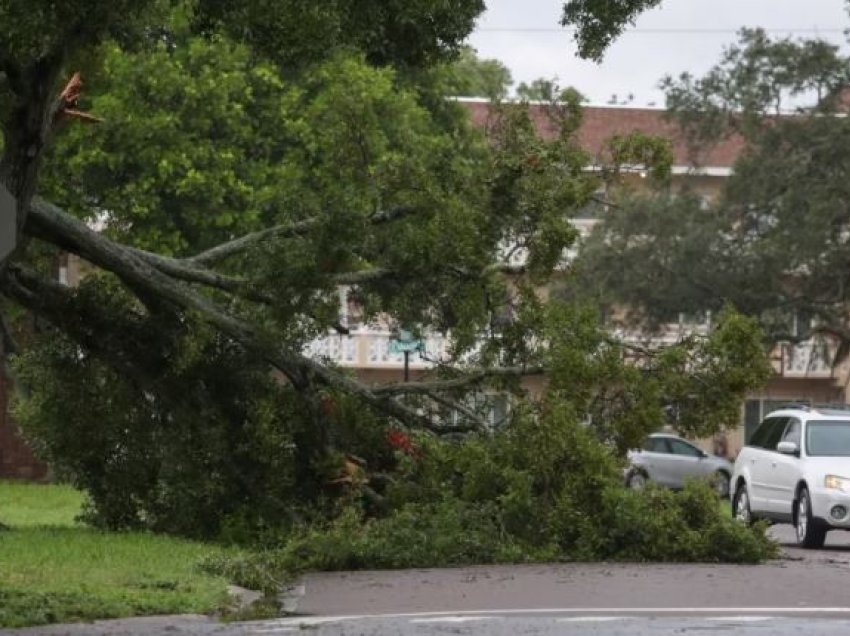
x=492 y=408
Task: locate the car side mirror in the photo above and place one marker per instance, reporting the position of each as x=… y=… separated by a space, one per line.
x=703 y=454
x=788 y=448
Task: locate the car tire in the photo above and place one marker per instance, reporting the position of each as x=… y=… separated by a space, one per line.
x=720 y=481
x=741 y=505
x=810 y=532
x=636 y=480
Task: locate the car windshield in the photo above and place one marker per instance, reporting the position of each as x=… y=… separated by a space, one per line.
x=828 y=438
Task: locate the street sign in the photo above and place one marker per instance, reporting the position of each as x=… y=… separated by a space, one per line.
x=400 y=346
x=404 y=342
x=8 y=222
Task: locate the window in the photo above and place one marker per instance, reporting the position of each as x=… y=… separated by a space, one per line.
x=825 y=438
x=803 y=323
x=492 y=408
x=756 y=410
x=683 y=448
x=657 y=445
x=793 y=432
x=767 y=435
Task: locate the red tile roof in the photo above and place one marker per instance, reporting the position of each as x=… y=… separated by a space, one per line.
x=600 y=123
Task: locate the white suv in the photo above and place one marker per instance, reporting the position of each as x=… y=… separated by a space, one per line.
x=796 y=469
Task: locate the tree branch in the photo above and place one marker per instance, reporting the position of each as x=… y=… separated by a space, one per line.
x=241 y=287
x=155 y=275
x=291 y=230
x=186 y=271
x=8 y=344
x=49 y=221
x=505 y=268
x=56 y=303
x=476 y=423
x=362 y=276
x=478 y=376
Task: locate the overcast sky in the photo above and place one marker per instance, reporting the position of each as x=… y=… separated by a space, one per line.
x=680 y=35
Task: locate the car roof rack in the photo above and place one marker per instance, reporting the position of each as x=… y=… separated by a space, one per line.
x=795 y=405
x=833 y=409
x=824 y=408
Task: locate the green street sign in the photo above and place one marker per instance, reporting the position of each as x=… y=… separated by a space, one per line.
x=8 y=225
x=404 y=342
x=405 y=346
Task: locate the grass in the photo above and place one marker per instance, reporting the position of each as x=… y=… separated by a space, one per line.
x=27 y=505
x=53 y=569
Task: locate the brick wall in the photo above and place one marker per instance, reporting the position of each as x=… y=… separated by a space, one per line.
x=16 y=458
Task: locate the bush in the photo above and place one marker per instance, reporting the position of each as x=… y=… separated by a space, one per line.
x=242 y=458
x=448 y=533
x=191 y=466
x=662 y=525
x=544 y=489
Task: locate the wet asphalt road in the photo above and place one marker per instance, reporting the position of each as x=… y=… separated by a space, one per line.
x=806 y=592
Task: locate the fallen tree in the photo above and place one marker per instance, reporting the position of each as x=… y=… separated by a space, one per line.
x=228 y=180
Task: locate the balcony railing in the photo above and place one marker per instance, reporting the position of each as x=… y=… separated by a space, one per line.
x=367 y=348
x=809 y=359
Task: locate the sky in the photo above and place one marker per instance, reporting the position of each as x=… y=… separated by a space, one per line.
x=677 y=36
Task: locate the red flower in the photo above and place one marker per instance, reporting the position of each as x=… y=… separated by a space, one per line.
x=400 y=441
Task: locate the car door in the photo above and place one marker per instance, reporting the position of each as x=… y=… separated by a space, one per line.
x=653 y=459
x=759 y=458
x=785 y=471
x=686 y=461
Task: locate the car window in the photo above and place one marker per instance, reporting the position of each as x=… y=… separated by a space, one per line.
x=769 y=432
x=792 y=431
x=656 y=445
x=683 y=448
x=828 y=438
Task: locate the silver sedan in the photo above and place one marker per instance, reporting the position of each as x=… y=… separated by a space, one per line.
x=669 y=461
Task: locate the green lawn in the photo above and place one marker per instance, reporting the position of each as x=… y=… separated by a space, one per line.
x=25 y=505
x=53 y=569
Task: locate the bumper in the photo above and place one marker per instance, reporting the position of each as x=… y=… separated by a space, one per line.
x=823 y=502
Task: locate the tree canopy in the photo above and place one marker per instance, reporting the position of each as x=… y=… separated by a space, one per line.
x=472 y=76
x=775 y=243
x=597 y=23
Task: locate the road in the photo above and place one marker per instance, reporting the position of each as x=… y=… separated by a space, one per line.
x=803 y=593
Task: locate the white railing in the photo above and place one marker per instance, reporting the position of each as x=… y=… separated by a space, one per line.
x=339 y=349
x=811 y=359
x=667 y=335
x=369 y=348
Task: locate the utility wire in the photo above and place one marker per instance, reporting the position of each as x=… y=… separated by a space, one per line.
x=673 y=31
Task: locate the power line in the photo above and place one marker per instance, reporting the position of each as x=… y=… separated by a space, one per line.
x=690 y=31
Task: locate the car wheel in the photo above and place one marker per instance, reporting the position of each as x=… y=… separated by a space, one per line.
x=741 y=505
x=720 y=483
x=637 y=480
x=810 y=532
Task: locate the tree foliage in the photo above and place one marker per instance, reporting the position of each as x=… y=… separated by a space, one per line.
x=242 y=174
x=547 y=90
x=775 y=243
x=472 y=76
x=597 y=23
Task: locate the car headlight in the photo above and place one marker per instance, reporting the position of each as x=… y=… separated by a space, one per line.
x=837 y=483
